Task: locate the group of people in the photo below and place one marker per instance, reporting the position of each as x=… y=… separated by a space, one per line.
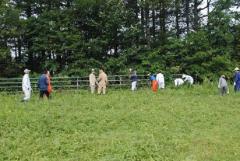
x=100 y=82
x=157 y=82
x=223 y=85
x=44 y=85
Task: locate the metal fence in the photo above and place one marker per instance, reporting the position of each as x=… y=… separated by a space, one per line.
x=71 y=83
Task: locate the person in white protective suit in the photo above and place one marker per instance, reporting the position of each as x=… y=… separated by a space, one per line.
x=178 y=82
x=160 y=80
x=26 y=85
x=188 y=79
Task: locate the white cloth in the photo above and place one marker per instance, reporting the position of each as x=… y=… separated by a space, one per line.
x=188 y=78
x=26 y=87
x=160 y=80
x=178 y=82
x=134 y=86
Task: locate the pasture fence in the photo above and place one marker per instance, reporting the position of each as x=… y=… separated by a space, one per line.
x=72 y=83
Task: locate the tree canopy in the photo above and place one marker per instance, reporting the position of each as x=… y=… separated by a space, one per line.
x=69 y=37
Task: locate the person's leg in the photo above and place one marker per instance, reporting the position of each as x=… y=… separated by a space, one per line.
x=41 y=93
x=99 y=88
x=222 y=91
x=135 y=85
x=104 y=89
x=47 y=94
x=92 y=89
x=27 y=94
x=160 y=85
x=132 y=86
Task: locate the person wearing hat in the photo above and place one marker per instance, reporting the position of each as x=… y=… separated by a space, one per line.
x=236 y=80
x=222 y=85
x=26 y=85
x=92 y=81
x=102 y=82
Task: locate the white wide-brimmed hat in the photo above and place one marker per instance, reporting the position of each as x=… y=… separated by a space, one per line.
x=26 y=71
x=236 y=69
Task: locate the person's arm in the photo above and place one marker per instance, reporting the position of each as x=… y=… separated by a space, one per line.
x=106 y=79
x=46 y=81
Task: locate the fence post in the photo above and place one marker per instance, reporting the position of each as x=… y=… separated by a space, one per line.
x=77 y=83
x=120 y=81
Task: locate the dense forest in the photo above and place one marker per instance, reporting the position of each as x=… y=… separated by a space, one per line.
x=69 y=37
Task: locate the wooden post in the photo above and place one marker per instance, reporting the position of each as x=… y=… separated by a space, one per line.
x=77 y=83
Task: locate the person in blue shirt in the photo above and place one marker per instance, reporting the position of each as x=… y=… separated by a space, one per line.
x=236 y=80
x=152 y=77
x=134 y=79
x=43 y=85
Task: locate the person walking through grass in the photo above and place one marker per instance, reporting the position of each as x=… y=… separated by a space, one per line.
x=236 y=80
x=43 y=85
x=154 y=83
x=26 y=85
x=134 y=80
x=160 y=80
x=222 y=85
x=92 y=81
x=49 y=83
x=102 y=82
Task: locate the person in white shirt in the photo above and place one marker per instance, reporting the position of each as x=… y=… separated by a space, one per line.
x=92 y=81
x=160 y=80
x=178 y=82
x=26 y=85
x=188 y=79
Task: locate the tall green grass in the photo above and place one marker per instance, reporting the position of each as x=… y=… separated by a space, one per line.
x=186 y=124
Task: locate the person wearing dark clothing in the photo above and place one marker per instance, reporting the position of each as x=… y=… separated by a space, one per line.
x=43 y=85
x=237 y=80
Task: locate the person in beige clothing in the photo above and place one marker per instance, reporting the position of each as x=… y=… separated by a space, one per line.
x=92 y=81
x=102 y=82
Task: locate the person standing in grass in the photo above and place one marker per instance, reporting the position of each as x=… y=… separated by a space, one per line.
x=160 y=80
x=154 y=83
x=49 y=83
x=222 y=85
x=92 y=81
x=134 y=79
x=26 y=85
x=236 y=80
x=43 y=85
x=102 y=82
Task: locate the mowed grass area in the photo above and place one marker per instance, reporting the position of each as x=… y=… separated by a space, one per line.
x=185 y=124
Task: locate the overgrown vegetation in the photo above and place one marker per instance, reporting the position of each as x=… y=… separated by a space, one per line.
x=198 y=37
x=175 y=124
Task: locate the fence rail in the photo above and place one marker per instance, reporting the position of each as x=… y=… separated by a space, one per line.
x=71 y=83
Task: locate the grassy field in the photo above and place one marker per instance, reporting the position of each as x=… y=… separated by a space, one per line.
x=173 y=125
